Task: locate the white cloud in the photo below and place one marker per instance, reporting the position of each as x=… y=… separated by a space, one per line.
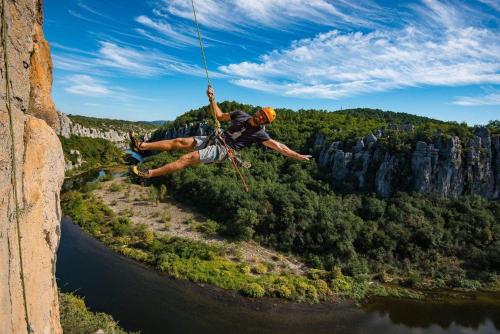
x=127 y=59
x=236 y=15
x=166 y=30
x=87 y=86
x=111 y=58
x=338 y=64
x=491 y=99
x=94 y=12
x=492 y=3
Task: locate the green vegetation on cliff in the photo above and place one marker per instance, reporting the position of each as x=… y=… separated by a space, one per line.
x=94 y=152
x=410 y=239
x=116 y=124
x=77 y=319
x=200 y=262
x=299 y=128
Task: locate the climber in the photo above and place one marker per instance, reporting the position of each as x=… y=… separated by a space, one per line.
x=243 y=132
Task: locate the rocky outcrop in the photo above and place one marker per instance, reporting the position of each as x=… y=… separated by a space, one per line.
x=188 y=130
x=69 y=128
x=35 y=175
x=437 y=167
x=384 y=184
x=41 y=104
x=446 y=167
x=75 y=160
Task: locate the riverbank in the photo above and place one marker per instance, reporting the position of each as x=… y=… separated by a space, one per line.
x=142 y=298
x=77 y=319
x=150 y=227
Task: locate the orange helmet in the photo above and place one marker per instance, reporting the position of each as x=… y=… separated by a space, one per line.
x=270 y=113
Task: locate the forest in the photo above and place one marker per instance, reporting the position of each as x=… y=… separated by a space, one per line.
x=411 y=239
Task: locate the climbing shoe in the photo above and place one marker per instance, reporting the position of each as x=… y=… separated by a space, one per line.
x=135 y=141
x=140 y=172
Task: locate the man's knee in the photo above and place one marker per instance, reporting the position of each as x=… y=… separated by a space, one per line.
x=186 y=143
x=191 y=158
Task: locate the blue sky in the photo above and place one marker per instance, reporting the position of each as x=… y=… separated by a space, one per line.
x=140 y=60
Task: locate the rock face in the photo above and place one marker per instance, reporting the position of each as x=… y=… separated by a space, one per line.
x=68 y=128
x=41 y=104
x=39 y=171
x=188 y=130
x=445 y=167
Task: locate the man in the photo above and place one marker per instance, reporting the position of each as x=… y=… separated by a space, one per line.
x=243 y=132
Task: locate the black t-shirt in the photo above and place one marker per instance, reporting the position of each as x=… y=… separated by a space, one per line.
x=241 y=134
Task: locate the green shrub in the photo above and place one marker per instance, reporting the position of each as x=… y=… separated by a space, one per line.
x=260 y=269
x=153 y=195
x=316 y=274
x=166 y=217
x=253 y=290
x=209 y=227
x=127 y=212
x=341 y=285
x=106 y=177
x=163 y=192
x=115 y=187
x=245 y=269
x=321 y=286
x=283 y=291
x=77 y=319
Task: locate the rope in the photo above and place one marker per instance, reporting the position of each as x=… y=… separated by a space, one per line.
x=13 y=174
x=230 y=151
x=216 y=121
x=201 y=43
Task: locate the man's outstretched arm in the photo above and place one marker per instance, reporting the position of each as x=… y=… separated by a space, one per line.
x=222 y=117
x=285 y=150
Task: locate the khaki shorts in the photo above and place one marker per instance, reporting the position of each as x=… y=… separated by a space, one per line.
x=216 y=152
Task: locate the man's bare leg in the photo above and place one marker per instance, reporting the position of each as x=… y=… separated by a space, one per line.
x=187 y=144
x=189 y=159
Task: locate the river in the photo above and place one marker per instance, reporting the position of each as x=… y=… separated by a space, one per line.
x=140 y=298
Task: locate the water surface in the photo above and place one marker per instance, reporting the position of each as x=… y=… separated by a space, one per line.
x=142 y=299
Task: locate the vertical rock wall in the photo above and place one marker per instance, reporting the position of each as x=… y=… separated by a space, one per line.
x=445 y=167
x=39 y=168
x=41 y=104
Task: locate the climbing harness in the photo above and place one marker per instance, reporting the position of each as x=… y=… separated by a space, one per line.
x=235 y=161
x=13 y=175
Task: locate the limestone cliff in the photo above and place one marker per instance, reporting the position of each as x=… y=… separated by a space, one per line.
x=188 y=130
x=119 y=137
x=446 y=167
x=41 y=104
x=27 y=284
x=68 y=128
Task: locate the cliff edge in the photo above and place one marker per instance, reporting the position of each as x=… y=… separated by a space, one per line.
x=32 y=170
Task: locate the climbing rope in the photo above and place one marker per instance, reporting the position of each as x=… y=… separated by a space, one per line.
x=13 y=175
x=216 y=121
x=230 y=151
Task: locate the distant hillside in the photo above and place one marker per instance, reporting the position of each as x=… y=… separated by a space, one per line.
x=370 y=150
x=155 y=123
x=119 y=125
x=298 y=128
x=89 y=142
